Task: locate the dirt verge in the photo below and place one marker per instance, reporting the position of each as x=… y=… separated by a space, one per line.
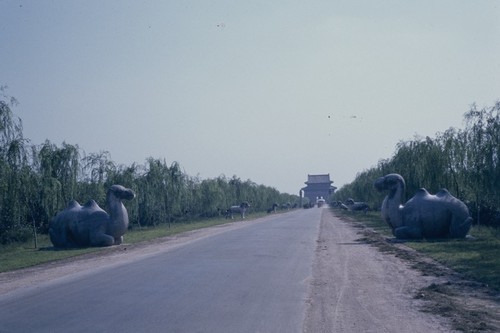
x=470 y=306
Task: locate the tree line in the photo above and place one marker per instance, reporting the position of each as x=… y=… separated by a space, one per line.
x=464 y=161
x=37 y=181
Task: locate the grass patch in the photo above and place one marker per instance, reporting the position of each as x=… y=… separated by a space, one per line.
x=22 y=255
x=477 y=258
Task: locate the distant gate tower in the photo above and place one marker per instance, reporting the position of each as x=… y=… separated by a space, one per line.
x=318 y=186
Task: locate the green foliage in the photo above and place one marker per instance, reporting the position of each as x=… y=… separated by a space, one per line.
x=36 y=182
x=15 y=235
x=466 y=162
x=14 y=172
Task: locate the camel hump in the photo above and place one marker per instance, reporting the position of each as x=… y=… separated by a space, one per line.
x=91 y=206
x=443 y=193
x=421 y=192
x=73 y=204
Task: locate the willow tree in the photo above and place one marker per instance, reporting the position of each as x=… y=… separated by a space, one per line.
x=59 y=169
x=361 y=189
x=482 y=155
x=96 y=169
x=266 y=196
x=212 y=197
x=235 y=185
x=153 y=196
x=454 y=145
x=14 y=173
x=180 y=191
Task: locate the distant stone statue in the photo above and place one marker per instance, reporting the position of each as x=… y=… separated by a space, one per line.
x=241 y=209
x=356 y=206
x=89 y=225
x=273 y=208
x=425 y=215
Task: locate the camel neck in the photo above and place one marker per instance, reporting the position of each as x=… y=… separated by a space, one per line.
x=398 y=197
x=393 y=204
x=118 y=215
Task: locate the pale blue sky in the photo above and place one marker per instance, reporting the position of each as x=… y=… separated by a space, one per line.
x=266 y=90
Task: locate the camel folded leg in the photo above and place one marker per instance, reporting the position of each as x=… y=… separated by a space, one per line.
x=408 y=232
x=118 y=240
x=101 y=239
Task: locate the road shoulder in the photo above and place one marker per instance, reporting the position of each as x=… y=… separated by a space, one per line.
x=356 y=287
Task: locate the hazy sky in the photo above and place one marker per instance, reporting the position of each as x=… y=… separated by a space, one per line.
x=266 y=90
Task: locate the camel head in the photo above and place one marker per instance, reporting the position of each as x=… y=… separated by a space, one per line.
x=391 y=183
x=244 y=205
x=391 y=209
x=120 y=192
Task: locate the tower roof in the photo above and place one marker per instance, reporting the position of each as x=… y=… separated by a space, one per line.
x=319 y=179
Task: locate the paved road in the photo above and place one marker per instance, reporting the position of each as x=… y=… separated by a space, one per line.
x=249 y=279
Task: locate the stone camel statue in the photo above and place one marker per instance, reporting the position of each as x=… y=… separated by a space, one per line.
x=89 y=225
x=423 y=216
